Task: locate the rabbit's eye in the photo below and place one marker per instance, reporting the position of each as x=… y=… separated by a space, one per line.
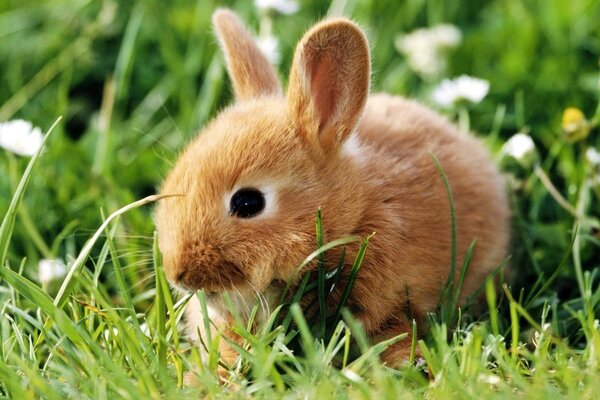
x=246 y=203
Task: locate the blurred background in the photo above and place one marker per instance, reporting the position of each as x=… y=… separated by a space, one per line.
x=136 y=80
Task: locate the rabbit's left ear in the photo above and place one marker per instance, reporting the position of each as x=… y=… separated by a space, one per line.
x=249 y=70
x=329 y=84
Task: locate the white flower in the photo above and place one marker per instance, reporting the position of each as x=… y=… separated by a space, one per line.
x=282 y=6
x=426 y=48
x=351 y=375
x=269 y=45
x=450 y=92
x=420 y=363
x=20 y=137
x=593 y=156
x=145 y=328
x=489 y=379
x=546 y=327
x=51 y=269
x=519 y=146
x=111 y=333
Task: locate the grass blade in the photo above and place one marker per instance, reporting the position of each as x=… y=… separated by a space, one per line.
x=68 y=283
x=160 y=308
x=37 y=296
x=8 y=223
x=311 y=257
x=321 y=275
x=452 y=219
x=352 y=277
x=490 y=295
x=123 y=286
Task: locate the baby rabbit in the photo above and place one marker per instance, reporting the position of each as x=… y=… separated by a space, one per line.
x=256 y=175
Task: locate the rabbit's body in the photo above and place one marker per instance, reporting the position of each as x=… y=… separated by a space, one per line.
x=408 y=207
x=368 y=171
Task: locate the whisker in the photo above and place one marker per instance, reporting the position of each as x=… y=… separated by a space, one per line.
x=264 y=305
x=242 y=303
x=134 y=250
x=146 y=261
x=81 y=232
x=133 y=270
x=143 y=282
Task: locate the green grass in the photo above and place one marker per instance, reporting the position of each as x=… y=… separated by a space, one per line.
x=134 y=81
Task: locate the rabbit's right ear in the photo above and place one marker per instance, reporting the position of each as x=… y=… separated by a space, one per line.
x=249 y=70
x=329 y=84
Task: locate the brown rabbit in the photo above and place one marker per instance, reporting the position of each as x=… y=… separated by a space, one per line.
x=255 y=177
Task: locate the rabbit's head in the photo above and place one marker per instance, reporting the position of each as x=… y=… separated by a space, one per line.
x=254 y=178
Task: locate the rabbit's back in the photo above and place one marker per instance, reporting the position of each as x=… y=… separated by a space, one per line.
x=410 y=206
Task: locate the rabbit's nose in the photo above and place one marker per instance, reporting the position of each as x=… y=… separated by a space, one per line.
x=179 y=276
x=187 y=279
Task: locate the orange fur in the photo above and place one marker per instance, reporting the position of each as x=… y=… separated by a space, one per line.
x=251 y=73
x=365 y=160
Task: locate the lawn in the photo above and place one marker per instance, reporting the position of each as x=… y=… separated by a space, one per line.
x=120 y=87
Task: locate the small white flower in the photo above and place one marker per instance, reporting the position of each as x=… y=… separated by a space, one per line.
x=351 y=375
x=489 y=379
x=420 y=363
x=426 y=48
x=446 y=35
x=546 y=327
x=269 y=45
x=282 y=6
x=539 y=337
x=593 y=156
x=20 y=137
x=111 y=333
x=463 y=88
x=51 y=269
x=145 y=328
x=520 y=146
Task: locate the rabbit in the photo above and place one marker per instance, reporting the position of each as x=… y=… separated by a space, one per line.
x=254 y=178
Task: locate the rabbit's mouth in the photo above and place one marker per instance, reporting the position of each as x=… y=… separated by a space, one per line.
x=242 y=300
x=214 y=279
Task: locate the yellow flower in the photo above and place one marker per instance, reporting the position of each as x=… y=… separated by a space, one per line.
x=574 y=124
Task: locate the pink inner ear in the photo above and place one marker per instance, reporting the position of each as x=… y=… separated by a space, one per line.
x=324 y=90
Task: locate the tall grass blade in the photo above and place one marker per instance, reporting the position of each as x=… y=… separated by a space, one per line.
x=452 y=219
x=533 y=294
x=69 y=282
x=321 y=276
x=159 y=307
x=413 y=344
x=490 y=295
x=13 y=383
x=76 y=334
x=352 y=277
x=300 y=269
x=8 y=223
x=123 y=286
x=305 y=334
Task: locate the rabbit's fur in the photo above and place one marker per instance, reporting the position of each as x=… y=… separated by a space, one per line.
x=364 y=160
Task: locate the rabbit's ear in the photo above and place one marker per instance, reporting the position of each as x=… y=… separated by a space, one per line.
x=250 y=71
x=329 y=83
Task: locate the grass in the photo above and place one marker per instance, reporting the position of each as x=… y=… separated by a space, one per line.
x=134 y=81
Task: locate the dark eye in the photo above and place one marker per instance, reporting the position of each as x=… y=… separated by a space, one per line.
x=246 y=203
